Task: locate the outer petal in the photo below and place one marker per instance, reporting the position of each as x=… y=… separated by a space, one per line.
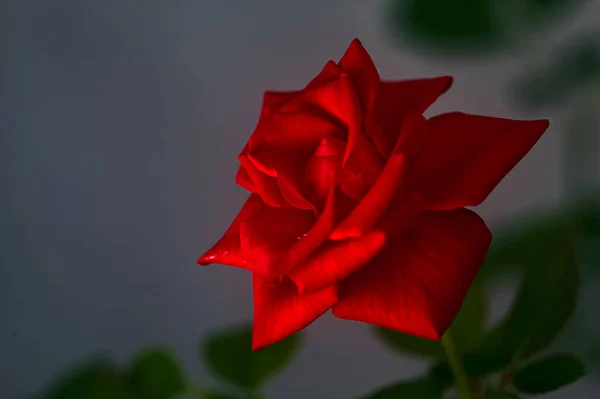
x=396 y=100
x=358 y=64
x=389 y=184
x=417 y=285
x=279 y=311
x=468 y=155
x=227 y=250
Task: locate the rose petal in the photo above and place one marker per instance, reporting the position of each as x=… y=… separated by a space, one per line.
x=266 y=235
x=272 y=100
x=335 y=261
x=396 y=100
x=279 y=311
x=263 y=185
x=322 y=167
x=243 y=179
x=287 y=169
x=227 y=250
x=357 y=63
x=387 y=187
x=275 y=240
x=329 y=72
x=466 y=156
x=417 y=284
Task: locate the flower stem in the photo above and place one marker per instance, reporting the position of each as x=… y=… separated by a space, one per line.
x=458 y=370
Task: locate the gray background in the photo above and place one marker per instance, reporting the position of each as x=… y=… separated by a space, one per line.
x=119 y=126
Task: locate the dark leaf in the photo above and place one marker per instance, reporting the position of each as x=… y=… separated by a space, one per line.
x=526 y=240
x=155 y=374
x=468 y=327
x=549 y=374
x=215 y=395
x=542 y=9
x=229 y=355
x=501 y=395
x=546 y=300
x=459 y=25
x=553 y=82
x=97 y=379
x=589 y=219
x=422 y=389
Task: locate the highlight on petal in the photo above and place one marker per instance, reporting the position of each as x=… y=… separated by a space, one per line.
x=335 y=261
x=357 y=63
x=389 y=184
x=227 y=250
x=417 y=284
x=280 y=311
x=396 y=100
x=466 y=156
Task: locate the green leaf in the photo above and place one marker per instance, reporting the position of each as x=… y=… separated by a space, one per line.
x=549 y=374
x=229 y=355
x=526 y=240
x=546 y=300
x=589 y=218
x=216 y=395
x=459 y=25
x=96 y=379
x=476 y=364
x=501 y=395
x=422 y=389
x=554 y=82
x=155 y=374
x=537 y=9
x=468 y=327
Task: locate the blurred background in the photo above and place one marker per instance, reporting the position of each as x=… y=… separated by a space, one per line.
x=120 y=122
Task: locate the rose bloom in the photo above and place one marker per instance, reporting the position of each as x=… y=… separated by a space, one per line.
x=358 y=202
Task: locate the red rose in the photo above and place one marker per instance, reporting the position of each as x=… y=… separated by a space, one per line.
x=358 y=202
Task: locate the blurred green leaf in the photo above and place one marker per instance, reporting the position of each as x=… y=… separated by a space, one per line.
x=422 y=389
x=215 y=395
x=459 y=25
x=574 y=66
x=589 y=218
x=501 y=395
x=155 y=374
x=96 y=379
x=525 y=240
x=547 y=298
x=229 y=355
x=468 y=327
x=541 y=10
x=549 y=374
x=476 y=365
